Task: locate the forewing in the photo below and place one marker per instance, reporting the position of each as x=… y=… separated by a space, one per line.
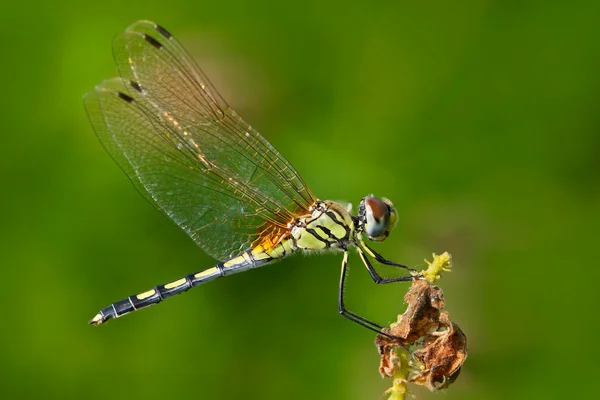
x=186 y=151
x=178 y=92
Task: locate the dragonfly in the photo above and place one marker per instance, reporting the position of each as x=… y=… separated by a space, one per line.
x=212 y=174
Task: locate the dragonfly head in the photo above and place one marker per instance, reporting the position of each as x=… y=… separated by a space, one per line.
x=376 y=217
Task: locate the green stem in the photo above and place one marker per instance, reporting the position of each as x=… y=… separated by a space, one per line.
x=399 y=390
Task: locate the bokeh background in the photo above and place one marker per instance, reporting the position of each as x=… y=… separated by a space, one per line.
x=479 y=120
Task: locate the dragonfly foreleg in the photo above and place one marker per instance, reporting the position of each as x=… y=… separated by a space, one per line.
x=378 y=278
x=380 y=259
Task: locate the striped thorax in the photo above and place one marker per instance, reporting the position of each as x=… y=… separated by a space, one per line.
x=329 y=225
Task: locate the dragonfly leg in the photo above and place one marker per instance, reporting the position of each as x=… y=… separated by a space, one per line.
x=378 y=278
x=381 y=259
x=349 y=314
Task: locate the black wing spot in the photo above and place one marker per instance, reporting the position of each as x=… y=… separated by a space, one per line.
x=152 y=41
x=163 y=31
x=136 y=86
x=125 y=97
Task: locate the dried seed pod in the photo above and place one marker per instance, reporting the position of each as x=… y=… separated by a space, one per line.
x=424 y=346
x=442 y=356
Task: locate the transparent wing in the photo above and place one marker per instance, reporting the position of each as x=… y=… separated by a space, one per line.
x=187 y=151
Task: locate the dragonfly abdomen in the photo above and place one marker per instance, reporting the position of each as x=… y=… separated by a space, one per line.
x=251 y=258
x=157 y=294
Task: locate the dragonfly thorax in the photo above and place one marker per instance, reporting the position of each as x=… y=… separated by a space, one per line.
x=329 y=225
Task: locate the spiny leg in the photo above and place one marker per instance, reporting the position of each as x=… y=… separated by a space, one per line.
x=380 y=258
x=375 y=275
x=349 y=314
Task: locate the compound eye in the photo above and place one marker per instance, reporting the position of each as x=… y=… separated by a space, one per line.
x=376 y=218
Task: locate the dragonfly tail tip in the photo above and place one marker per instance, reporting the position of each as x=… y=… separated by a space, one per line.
x=97 y=320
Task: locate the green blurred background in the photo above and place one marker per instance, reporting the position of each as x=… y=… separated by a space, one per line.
x=479 y=120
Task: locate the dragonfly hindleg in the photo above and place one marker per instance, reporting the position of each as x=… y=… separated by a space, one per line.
x=349 y=314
